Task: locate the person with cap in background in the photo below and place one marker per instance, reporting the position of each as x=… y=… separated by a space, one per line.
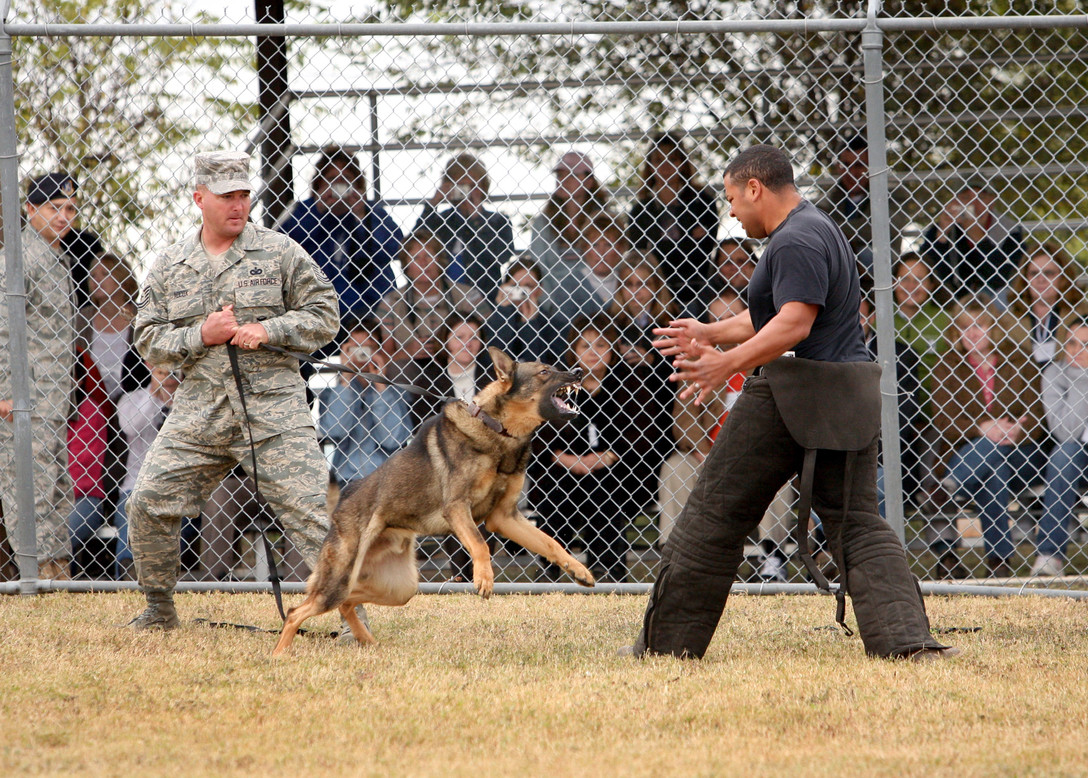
x=51 y=209
x=231 y=284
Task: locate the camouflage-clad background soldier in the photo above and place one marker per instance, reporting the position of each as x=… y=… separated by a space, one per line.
x=50 y=315
x=232 y=282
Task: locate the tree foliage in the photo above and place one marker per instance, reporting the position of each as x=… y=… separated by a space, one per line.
x=120 y=113
x=959 y=104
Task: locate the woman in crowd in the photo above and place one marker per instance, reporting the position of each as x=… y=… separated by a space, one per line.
x=593 y=474
x=476 y=241
x=921 y=327
x=460 y=370
x=736 y=261
x=986 y=405
x=676 y=218
x=643 y=302
x=591 y=289
x=556 y=232
x=522 y=323
x=108 y=367
x=1065 y=401
x=921 y=321
x=414 y=317
x=1043 y=295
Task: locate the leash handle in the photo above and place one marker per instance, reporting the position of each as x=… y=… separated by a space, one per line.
x=273 y=573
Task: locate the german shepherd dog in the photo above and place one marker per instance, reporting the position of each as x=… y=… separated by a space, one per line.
x=456 y=472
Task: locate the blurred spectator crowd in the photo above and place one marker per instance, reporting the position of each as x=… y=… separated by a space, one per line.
x=991 y=357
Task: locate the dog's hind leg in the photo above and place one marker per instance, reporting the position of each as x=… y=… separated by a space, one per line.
x=326 y=588
x=460 y=520
x=518 y=529
x=313 y=605
x=334 y=576
x=358 y=628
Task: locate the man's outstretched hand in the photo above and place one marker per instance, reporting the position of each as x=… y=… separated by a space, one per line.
x=677 y=337
x=703 y=367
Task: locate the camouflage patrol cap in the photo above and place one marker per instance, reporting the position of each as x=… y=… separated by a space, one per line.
x=222 y=171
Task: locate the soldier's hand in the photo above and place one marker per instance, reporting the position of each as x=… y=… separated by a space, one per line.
x=5 y=410
x=250 y=336
x=219 y=327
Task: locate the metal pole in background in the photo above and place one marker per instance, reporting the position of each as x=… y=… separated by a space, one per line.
x=375 y=162
x=872 y=45
x=272 y=92
x=25 y=542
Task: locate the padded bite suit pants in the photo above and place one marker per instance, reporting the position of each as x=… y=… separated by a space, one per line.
x=752 y=458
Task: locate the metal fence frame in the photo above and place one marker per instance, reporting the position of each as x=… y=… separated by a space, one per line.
x=871 y=32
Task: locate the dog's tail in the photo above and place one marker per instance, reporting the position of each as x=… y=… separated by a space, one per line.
x=373 y=529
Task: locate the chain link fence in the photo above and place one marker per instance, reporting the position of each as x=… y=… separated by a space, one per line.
x=545 y=178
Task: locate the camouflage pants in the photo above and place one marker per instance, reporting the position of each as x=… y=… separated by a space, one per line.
x=52 y=486
x=177 y=479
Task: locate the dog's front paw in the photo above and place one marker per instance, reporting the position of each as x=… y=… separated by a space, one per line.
x=581 y=574
x=484 y=583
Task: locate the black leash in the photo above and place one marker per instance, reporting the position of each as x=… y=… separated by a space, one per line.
x=273 y=572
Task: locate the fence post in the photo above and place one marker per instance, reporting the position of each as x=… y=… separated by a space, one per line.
x=25 y=543
x=872 y=45
x=375 y=161
x=274 y=141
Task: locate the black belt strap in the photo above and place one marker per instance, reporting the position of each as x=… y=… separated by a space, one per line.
x=804 y=513
x=800 y=532
x=273 y=573
x=847 y=489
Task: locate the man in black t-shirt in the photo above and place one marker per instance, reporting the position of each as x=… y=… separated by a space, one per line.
x=803 y=298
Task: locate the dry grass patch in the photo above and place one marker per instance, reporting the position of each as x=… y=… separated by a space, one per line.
x=525 y=685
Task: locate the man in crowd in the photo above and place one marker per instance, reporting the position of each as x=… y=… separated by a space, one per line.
x=847 y=203
x=352 y=240
x=51 y=209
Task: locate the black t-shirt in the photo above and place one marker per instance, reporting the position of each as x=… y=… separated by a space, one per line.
x=808 y=260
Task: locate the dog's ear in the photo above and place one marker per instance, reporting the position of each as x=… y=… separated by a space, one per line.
x=504 y=365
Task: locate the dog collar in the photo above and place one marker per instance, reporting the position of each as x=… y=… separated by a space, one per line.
x=490 y=422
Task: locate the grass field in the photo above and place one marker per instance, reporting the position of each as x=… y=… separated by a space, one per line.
x=530 y=685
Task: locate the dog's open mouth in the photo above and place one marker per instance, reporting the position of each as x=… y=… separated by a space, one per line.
x=563 y=400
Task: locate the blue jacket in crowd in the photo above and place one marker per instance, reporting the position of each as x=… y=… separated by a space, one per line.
x=354 y=253
x=365 y=425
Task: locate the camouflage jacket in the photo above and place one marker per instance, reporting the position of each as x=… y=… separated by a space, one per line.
x=269 y=278
x=50 y=319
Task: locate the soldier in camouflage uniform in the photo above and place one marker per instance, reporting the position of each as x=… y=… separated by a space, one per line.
x=50 y=314
x=231 y=282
